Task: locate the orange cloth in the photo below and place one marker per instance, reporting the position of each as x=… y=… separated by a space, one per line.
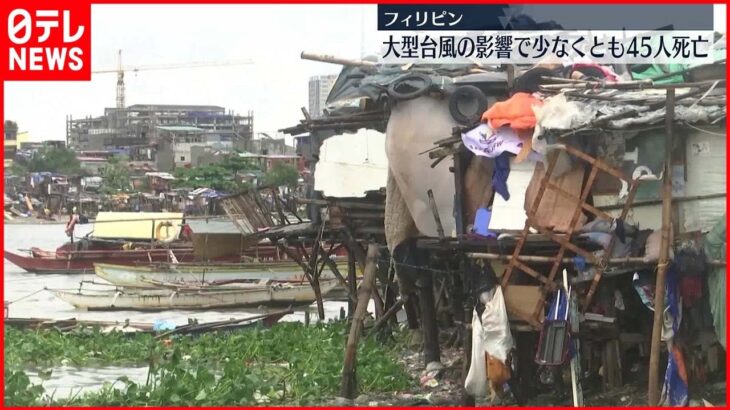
x=515 y=112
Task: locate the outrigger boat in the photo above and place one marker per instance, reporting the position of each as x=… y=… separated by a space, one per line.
x=141 y=276
x=190 y=298
x=124 y=238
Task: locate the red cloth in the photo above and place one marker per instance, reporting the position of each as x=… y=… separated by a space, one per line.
x=515 y=112
x=186 y=232
x=607 y=72
x=690 y=288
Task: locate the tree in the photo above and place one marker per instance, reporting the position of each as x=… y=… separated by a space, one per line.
x=282 y=174
x=116 y=176
x=221 y=176
x=54 y=159
x=212 y=176
x=10 y=129
x=236 y=163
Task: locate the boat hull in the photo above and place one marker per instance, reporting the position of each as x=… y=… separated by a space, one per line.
x=162 y=299
x=83 y=261
x=140 y=276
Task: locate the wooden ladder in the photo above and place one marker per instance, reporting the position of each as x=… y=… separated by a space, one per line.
x=564 y=240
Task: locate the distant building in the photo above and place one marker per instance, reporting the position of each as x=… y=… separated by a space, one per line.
x=319 y=89
x=272 y=146
x=146 y=131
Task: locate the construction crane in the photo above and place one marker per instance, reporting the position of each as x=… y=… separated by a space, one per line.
x=120 y=70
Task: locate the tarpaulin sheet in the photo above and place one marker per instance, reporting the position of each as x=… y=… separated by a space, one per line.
x=715 y=249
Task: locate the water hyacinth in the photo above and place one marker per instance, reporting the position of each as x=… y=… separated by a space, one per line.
x=287 y=364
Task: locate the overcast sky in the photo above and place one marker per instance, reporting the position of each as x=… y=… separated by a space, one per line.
x=274 y=87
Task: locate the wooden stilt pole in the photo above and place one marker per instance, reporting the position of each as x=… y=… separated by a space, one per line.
x=314 y=274
x=431 y=349
x=348 y=387
x=410 y=307
x=352 y=283
x=656 y=334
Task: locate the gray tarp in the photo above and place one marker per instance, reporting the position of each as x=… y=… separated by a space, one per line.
x=715 y=249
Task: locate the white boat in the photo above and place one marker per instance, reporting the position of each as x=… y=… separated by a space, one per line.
x=225 y=296
x=141 y=276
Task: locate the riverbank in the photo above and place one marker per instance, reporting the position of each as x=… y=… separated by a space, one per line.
x=289 y=364
x=31 y=220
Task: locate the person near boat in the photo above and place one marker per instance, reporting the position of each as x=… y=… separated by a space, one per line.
x=73 y=219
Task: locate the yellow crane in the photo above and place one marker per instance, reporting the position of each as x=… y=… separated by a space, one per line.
x=120 y=70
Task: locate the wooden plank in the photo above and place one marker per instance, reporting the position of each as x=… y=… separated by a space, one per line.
x=588 y=207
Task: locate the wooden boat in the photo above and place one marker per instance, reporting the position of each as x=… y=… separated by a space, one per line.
x=66 y=325
x=141 y=276
x=225 y=296
x=65 y=261
x=75 y=262
x=128 y=239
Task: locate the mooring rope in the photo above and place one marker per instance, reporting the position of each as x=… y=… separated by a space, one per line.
x=26 y=296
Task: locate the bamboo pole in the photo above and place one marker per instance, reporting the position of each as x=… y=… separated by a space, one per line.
x=323 y=58
x=348 y=388
x=663 y=257
x=436 y=217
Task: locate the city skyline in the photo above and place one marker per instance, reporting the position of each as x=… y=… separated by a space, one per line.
x=274 y=87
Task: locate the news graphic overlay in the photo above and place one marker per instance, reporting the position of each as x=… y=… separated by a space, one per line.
x=48 y=40
x=529 y=34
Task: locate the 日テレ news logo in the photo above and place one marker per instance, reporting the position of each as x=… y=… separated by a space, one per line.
x=47 y=41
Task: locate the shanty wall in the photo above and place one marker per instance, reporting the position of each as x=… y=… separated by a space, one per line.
x=698 y=169
x=352 y=164
x=706 y=175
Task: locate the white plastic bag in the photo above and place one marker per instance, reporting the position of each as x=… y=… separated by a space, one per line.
x=490 y=334
x=495 y=323
x=476 y=379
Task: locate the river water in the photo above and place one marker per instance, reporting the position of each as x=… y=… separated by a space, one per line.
x=27 y=297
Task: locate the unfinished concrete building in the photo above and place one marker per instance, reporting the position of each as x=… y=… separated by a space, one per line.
x=142 y=129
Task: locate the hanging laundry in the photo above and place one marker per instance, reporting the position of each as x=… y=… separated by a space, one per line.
x=644 y=288
x=501 y=173
x=481 y=223
x=675 y=390
x=488 y=142
x=516 y=112
x=690 y=288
